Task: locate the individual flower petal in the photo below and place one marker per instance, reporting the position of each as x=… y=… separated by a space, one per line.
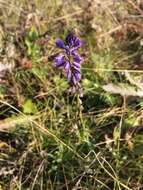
x=77 y=70
x=59 y=60
x=67 y=66
x=76 y=57
x=76 y=65
x=77 y=76
x=69 y=39
x=77 y=43
x=67 y=50
x=80 y=92
x=69 y=75
x=60 y=43
x=74 y=81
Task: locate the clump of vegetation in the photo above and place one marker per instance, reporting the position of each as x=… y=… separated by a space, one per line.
x=51 y=138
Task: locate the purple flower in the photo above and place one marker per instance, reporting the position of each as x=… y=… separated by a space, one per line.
x=69 y=60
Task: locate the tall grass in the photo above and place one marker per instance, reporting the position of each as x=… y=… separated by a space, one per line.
x=50 y=139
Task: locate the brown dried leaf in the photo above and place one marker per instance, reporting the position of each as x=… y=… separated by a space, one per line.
x=123 y=90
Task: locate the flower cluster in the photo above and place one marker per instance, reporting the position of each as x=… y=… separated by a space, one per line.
x=69 y=60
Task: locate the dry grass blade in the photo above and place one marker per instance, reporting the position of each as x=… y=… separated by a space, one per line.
x=112 y=176
x=10 y=5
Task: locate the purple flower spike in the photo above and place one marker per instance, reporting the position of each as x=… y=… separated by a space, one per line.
x=69 y=60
